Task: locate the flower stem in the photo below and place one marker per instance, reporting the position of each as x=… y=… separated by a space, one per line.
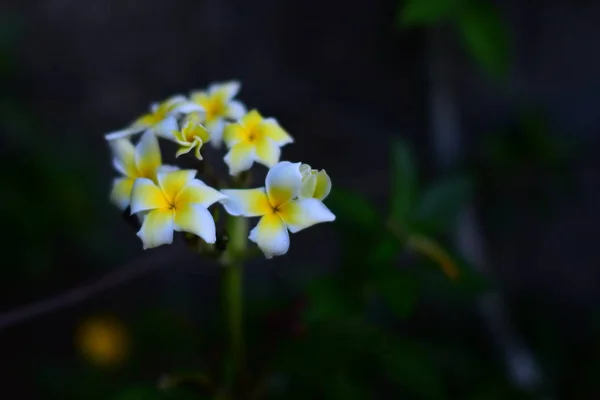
x=237 y=228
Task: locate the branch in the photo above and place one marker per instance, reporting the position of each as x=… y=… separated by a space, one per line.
x=121 y=275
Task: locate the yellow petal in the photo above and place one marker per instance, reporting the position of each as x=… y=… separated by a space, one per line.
x=124 y=157
x=270 y=128
x=309 y=184
x=197 y=192
x=145 y=195
x=196 y=219
x=302 y=213
x=120 y=194
x=283 y=182
x=240 y=158
x=267 y=152
x=172 y=182
x=271 y=235
x=246 y=202
x=323 y=186
x=157 y=228
x=251 y=120
x=233 y=134
x=145 y=121
x=184 y=149
x=147 y=155
x=225 y=90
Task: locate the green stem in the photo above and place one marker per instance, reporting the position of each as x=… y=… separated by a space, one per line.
x=237 y=228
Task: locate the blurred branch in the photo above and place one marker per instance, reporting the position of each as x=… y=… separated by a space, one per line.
x=140 y=267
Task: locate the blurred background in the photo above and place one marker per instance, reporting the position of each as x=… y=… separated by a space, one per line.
x=460 y=136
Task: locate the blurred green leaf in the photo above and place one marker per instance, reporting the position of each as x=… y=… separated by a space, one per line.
x=424 y=12
x=404 y=182
x=485 y=36
x=353 y=209
x=398 y=288
x=440 y=204
x=343 y=387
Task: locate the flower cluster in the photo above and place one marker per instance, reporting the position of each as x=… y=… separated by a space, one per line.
x=168 y=199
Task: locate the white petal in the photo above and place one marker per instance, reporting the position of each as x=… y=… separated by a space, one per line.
x=236 y=109
x=123 y=133
x=216 y=132
x=240 y=158
x=309 y=184
x=196 y=219
x=147 y=155
x=145 y=195
x=188 y=107
x=283 y=182
x=197 y=192
x=123 y=156
x=246 y=202
x=229 y=89
x=302 y=213
x=157 y=228
x=271 y=236
x=167 y=168
x=166 y=127
x=120 y=194
x=267 y=152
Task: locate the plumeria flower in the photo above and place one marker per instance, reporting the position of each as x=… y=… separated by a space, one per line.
x=161 y=120
x=279 y=208
x=218 y=104
x=141 y=161
x=254 y=138
x=315 y=183
x=192 y=135
x=177 y=202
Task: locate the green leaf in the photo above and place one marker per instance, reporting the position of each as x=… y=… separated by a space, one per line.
x=440 y=204
x=426 y=12
x=404 y=182
x=485 y=36
x=398 y=288
x=353 y=209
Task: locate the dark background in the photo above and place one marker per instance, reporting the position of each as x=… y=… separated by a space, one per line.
x=344 y=78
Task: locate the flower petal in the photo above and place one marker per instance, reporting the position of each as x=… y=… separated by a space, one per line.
x=246 y=202
x=157 y=228
x=184 y=149
x=240 y=158
x=271 y=128
x=302 y=213
x=235 y=109
x=323 y=186
x=197 y=192
x=145 y=195
x=233 y=134
x=283 y=182
x=147 y=155
x=271 y=236
x=309 y=183
x=226 y=89
x=166 y=127
x=168 y=168
x=120 y=194
x=173 y=182
x=187 y=107
x=124 y=157
x=123 y=133
x=251 y=119
x=196 y=219
x=267 y=152
x=216 y=128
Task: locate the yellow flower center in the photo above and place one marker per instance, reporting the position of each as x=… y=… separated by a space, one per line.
x=214 y=106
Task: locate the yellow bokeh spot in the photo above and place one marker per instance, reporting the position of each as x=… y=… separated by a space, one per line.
x=103 y=341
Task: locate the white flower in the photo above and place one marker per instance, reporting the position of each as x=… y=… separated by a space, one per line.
x=177 y=203
x=315 y=183
x=192 y=135
x=218 y=104
x=279 y=208
x=254 y=138
x=141 y=161
x=161 y=120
